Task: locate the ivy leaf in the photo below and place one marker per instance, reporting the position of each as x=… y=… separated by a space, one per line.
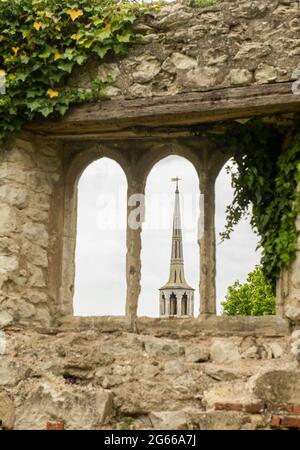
x=52 y=93
x=66 y=66
x=75 y=13
x=21 y=75
x=46 y=110
x=100 y=51
x=101 y=36
x=24 y=59
x=118 y=48
x=57 y=55
x=80 y=59
x=37 y=25
x=62 y=109
x=46 y=53
x=124 y=37
x=35 y=105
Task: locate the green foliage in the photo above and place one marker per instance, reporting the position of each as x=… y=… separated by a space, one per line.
x=265 y=174
x=253 y=298
x=127 y=423
x=265 y=177
x=202 y=3
x=42 y=41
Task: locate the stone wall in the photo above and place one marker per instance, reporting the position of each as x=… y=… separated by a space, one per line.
x=207 y=373
x=28 y=174
x=289 y=284
x=92 y=379
x=234 y=43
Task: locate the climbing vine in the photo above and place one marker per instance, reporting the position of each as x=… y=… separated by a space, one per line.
x=42 y=41
x=265 y=174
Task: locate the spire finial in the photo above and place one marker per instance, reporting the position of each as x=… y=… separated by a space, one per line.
x=176 y=179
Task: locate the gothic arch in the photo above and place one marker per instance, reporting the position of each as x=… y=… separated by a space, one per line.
x=173 y=308
x=158 y=152
x=68 y=219
x=184 y=305
x=236 y=257
x=163 y=305
x=193 y=248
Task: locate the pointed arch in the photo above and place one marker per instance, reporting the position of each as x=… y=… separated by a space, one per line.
x=157 y=229
x=173 y=305
x=81 y=160
x=184 y=305
x=235 y=257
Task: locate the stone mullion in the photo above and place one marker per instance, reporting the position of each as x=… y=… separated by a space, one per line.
x=133 y=258
x=207 y=243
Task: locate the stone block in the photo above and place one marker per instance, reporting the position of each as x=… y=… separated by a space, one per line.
x=8 y=220
x=158 y=347
x=292 y=309
x=223 y=352
x=278 y=386
x=36 y=233
x=168 y=420
x=7 y=412
x=240 y=77
x=5 y=319
x=146 y=69
x=179 y=61
x=230 y=393
x=80 y=408
x=265 y=74
x=197 y=354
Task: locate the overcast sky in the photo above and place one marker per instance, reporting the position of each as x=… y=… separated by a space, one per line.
x=100 y=283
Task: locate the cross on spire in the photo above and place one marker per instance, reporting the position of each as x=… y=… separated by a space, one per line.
x=176 y=179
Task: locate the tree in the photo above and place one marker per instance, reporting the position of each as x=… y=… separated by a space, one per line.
x=253 y=298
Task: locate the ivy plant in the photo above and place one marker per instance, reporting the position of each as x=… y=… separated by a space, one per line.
x=265 y=174
x=42 y=41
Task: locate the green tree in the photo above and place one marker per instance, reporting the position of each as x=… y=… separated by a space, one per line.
x=253 y=298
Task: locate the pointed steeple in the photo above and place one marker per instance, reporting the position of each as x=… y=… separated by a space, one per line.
x=176 y=298
x=177 y=278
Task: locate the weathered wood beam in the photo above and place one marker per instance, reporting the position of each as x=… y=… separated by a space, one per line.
x=180 y=109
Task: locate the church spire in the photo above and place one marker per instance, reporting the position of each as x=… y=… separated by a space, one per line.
x=177 y=285
x=177 y=264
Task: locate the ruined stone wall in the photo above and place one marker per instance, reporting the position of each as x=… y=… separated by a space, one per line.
x=183 y=49
x=28 y=173
x=200 y=374
x=83 y=377
x=289 y=284
x=234 y=43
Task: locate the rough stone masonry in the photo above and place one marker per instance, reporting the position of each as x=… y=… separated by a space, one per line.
x=214 y=65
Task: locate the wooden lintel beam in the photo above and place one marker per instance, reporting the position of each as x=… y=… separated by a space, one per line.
x=180 y=109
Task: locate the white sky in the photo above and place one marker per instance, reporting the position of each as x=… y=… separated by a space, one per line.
x=100 y=283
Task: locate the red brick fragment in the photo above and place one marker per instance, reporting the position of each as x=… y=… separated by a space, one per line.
x=254 y=408
x=290 y=422
x=55 y=426
x=285 y=422
x=275 y=422
x=284 y=407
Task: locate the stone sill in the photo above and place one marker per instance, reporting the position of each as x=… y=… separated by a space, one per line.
x=175 y=327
